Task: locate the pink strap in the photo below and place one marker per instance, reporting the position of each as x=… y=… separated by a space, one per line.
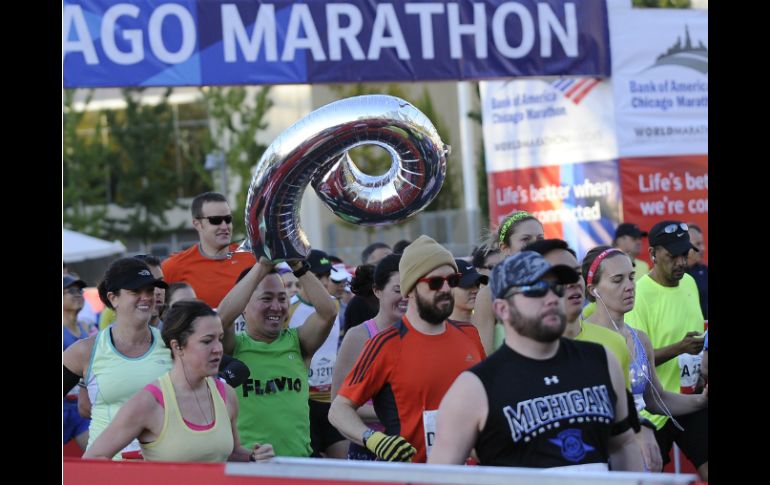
x=221 y=389
x=371 y=327
x=153 y=389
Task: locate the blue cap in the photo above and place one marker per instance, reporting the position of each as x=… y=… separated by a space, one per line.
x=526 y=268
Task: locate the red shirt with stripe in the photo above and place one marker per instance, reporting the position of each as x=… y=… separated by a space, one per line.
x=406 y=372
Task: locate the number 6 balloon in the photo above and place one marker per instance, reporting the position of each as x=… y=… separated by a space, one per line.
x=314 y=151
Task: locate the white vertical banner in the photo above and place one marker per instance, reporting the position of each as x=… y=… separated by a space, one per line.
x=547 y=121
x=660 y=79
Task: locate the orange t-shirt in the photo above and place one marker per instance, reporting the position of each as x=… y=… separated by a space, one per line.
x=407 y=372
x=210 y=278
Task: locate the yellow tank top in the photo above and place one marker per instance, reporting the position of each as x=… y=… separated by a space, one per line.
x=177 y=442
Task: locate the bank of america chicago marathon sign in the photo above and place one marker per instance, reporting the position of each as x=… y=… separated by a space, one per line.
x=219 y=42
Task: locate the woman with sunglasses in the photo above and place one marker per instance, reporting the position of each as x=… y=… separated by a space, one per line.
x=609 y=276
x=186 y=414
x=517 y=230
x=121 y=359
x=386 y=284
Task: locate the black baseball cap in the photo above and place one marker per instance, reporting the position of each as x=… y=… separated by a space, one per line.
x=134 y=279
x=69 y=280
x=672 y=235
x=319 y=262
x=470 y=276
x=628 y=229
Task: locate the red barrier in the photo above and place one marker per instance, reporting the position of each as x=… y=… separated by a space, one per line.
x=99 y=472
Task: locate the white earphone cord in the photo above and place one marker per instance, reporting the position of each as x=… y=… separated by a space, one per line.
x=655 y=394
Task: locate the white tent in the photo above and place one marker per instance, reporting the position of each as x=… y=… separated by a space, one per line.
x=80 y=247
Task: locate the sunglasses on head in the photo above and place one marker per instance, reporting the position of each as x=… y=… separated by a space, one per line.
x=537 y=290
x=217 y=220
x=671 y=228
x=436 y=282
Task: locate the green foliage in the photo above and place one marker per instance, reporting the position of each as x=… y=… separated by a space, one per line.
x=84 y=171
x=144 y=174
x=662 y=3
x=238 y=117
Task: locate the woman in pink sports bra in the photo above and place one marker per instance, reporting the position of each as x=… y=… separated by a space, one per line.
x=186 y=414
x=387 y=288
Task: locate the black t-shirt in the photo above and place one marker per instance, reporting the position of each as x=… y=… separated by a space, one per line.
x=547 y=413
x=358 y=311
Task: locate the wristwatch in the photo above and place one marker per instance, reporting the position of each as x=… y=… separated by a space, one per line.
x=302 y=270
x=367 y=434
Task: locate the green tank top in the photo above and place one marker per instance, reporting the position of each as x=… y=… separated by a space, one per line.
x=113 y=378
x=273 y=405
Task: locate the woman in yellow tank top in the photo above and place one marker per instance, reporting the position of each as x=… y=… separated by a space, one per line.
x=187 y=414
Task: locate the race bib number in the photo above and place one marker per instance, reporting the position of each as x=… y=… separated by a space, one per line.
x=239 y=325
x=689 y=372
x=429 y=426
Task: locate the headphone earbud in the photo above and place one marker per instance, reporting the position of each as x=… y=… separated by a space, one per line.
x=596 y=293
x=653 y=259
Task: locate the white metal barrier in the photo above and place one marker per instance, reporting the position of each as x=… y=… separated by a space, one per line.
x=418 y=473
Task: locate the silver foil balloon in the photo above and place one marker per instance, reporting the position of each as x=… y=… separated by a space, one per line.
x=314 y=150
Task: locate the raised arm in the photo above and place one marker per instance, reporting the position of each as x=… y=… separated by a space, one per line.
x=237 y=298
x=461 y=417
x=316 y=328
x=625 y=453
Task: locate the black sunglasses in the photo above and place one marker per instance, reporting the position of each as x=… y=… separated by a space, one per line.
x=537 y=290
x=436 y=282
x=217 y=220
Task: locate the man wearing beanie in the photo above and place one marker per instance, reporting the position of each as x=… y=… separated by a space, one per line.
x=408 y=368
x=541 y=400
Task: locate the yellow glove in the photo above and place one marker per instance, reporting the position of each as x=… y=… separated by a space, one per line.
x=390 y=448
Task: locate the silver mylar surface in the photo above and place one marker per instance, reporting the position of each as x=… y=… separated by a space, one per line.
x=314 y=150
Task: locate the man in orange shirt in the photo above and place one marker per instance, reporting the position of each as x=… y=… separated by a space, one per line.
x=211 y=267
x=407 y=368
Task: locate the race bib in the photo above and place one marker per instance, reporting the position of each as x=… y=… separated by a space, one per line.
x=429 y=427
x=689 y=372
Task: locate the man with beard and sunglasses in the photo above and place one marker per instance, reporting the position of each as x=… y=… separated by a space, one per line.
x=408 y=367
x=211 y=266
x=541 y=400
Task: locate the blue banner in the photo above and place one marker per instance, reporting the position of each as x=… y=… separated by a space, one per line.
x=221 y=42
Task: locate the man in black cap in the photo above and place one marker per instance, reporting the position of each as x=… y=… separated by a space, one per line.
x=667 y=308
x=541 y=400
x=465 y=292
x=628 y=238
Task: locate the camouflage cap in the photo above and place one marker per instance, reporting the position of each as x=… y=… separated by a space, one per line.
x=525 y=268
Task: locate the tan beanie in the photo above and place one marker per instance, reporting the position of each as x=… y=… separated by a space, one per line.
x=420 y=258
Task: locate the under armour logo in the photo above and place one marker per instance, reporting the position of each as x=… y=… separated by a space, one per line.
x=551 y=380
